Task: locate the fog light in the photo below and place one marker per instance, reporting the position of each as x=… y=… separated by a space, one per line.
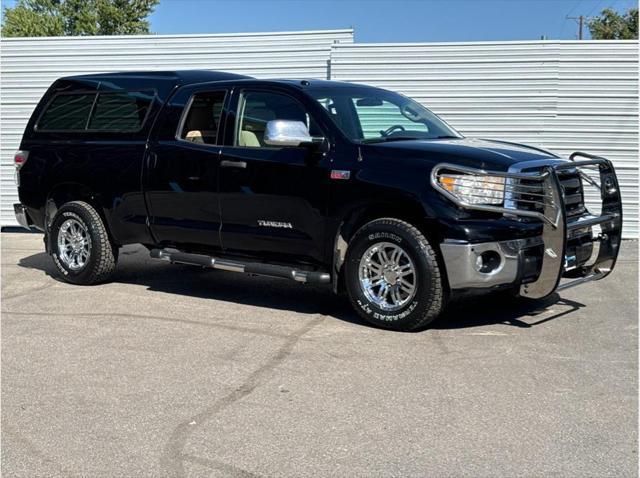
x=488 y=261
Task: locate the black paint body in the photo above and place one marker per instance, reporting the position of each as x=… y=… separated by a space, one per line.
x=155 y=189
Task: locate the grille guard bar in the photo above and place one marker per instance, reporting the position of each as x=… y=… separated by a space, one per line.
x=554 y=219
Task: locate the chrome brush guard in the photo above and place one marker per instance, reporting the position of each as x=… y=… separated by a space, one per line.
x=545 y=201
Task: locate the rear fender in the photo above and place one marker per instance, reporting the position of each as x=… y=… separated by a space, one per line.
x=66 y=192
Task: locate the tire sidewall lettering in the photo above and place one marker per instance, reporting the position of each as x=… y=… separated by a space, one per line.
x=58 y=264
x=379 y=236
x=366 y=307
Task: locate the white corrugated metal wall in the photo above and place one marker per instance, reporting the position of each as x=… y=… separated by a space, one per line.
x=563 y=96
x=560 y=95
x=29 y=65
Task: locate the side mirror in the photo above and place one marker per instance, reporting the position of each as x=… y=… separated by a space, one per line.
x=288 y=133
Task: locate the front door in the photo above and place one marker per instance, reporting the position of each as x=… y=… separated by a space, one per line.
x=273 y=199
x=183 y=168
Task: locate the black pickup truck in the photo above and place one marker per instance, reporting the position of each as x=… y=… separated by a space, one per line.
x=315 y=181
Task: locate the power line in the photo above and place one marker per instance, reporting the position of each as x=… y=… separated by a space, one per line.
x=564 y=24
x=580 y=21
x=574 y=7
x=596 y=7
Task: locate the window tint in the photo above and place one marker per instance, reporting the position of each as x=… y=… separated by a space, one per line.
x=203 y=119
x=109 y=112
x=258 y=108
x=120 y=111
x=67 y=112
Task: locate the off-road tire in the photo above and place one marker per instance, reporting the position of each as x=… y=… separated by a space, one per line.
x=103 y=254
x=429 y=298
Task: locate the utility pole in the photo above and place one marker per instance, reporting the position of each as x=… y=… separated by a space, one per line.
x=580 y=21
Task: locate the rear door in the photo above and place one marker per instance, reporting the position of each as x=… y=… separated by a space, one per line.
x=183 y=166
x=273 y=199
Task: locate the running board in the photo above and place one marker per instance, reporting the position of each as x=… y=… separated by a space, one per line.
x=591 y=277
x=257 y=268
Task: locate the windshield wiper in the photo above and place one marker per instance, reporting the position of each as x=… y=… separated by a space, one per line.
x=390 y=138
x=384 y=139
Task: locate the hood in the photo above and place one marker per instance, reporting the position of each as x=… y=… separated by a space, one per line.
x=467 y=151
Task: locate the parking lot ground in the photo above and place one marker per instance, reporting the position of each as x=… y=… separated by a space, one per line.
x=176 y=371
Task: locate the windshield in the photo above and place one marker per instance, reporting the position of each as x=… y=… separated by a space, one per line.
x=370 y=115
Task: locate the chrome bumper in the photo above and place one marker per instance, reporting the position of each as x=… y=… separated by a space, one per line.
x=460 y=258
x=21 y=215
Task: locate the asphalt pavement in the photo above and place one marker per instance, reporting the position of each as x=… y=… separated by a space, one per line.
x=172 y=371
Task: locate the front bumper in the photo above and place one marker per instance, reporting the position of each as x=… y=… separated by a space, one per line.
x=515 y=261
x=538 y=264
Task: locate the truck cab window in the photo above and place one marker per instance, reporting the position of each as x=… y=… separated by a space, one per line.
x=203 y=118
x=67 y=112
x=258 y=108
x=117 y=112
x=122 y=112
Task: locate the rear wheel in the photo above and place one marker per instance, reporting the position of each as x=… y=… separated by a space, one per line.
x=80 y=245
x=392 y=275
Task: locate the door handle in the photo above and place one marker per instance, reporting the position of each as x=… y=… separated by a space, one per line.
x=233 y=164
x=153 y=160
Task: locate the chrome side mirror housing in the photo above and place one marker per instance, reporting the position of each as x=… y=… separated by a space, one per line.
x=286 y=133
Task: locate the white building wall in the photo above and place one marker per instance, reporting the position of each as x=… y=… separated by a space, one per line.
x=563 y=96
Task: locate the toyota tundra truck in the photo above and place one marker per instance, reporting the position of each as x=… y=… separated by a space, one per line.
x=319 y=182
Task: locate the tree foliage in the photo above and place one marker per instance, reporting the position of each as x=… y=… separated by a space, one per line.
x=77 y=17
x=610 y=25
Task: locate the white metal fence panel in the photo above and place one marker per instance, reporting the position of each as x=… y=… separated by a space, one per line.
x=562 y=96
x=28 y=66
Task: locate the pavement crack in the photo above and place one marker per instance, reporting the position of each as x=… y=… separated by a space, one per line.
x=12 y=435
x=174 y=456
x=105 y=315
x=29 y=291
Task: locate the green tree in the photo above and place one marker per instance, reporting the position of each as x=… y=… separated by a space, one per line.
x=610 y=25
x=77 y=17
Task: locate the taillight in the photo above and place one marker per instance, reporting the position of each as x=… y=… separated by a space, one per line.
x=19 y=158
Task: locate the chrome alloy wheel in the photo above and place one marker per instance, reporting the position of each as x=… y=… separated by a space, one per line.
x=387 y=276
x=74 y=244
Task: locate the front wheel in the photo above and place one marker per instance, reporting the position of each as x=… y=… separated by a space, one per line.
x=392 y=275
x=80 y=245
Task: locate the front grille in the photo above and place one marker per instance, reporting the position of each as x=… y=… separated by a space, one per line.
x=572 y=193
x=529 y=194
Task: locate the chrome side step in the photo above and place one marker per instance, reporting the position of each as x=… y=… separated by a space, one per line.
x=256 y=268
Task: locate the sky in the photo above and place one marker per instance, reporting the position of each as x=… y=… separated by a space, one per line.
x=384 y=20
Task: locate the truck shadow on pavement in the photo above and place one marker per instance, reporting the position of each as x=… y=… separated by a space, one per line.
x=136 y=268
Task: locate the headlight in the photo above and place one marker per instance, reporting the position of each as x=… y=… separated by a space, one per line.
x=473 y=189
